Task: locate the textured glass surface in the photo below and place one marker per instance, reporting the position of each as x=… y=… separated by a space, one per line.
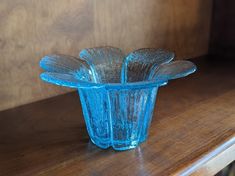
x=106 y=62
x=117 y=93
x=67 y=66
x=138 y=64
x=173 y=70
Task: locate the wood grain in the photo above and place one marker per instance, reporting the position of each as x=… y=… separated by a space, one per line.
x=193 y=132
x=29 y=29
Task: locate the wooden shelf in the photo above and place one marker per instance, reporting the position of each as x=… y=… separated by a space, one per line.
x=192 y=132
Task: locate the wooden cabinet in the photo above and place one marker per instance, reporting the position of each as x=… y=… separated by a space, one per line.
x=193 y=129
x=192 y=132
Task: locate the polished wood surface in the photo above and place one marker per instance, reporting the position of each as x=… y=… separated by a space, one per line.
x=192 y=132
x=30 y=29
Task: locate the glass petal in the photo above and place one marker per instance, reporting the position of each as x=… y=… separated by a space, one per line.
x=67 y=65
x=173 y=70
x=66 y=80
x=138 y=64
x=106 y=63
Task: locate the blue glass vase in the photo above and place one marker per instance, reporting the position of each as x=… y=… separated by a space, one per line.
x=117 y=92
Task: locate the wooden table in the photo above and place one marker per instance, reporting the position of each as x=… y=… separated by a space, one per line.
x=192 y=132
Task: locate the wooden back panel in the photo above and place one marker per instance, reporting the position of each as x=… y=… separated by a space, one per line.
x=30 y=29
x=222 y=41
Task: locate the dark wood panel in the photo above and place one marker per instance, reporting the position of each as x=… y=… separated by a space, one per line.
x=30 y=29
x=192 y=130
x=223 y=29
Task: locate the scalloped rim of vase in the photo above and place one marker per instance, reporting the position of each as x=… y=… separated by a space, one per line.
x=109 y=85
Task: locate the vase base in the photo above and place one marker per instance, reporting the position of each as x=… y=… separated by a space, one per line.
x=119 y=146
